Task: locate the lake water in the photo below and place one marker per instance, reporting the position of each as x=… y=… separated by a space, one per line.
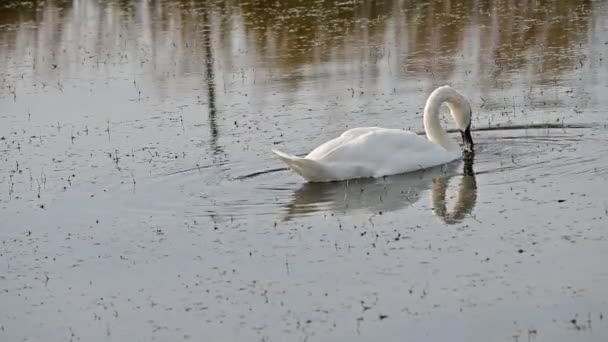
x=139 y=198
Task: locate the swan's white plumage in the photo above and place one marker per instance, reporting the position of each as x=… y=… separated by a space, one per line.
x=375 y=152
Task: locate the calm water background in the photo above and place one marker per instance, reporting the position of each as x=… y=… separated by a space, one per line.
x=139 y=201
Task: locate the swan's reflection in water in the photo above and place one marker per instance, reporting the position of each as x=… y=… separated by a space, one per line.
x=466 y=196
x=381 y=195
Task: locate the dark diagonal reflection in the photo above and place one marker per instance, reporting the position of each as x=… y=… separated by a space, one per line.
x=210 y=83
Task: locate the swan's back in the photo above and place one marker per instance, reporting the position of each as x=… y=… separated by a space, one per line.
x=350 y=135
x=383 y=151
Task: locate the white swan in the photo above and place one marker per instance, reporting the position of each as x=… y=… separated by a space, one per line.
x=375 y=152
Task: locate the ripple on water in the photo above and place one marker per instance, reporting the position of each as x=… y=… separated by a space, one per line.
x=125 y=139
x=521 y=154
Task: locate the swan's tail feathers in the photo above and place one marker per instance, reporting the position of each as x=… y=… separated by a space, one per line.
x=309 y=169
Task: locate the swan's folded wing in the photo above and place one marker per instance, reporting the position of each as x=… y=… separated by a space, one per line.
x=322 y=150
x=388 y=151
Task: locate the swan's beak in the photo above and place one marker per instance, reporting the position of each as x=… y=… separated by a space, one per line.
x=467 y=139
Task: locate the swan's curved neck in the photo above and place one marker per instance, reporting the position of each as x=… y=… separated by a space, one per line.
x=432 y=126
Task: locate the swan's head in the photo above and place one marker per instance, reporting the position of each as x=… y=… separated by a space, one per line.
x=467 y=140
x=460 y=108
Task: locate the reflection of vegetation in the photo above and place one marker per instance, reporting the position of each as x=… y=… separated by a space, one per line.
x=14 y=12
x=424 y=37
x=300 y=31
x=503 y=30
x=296 y=32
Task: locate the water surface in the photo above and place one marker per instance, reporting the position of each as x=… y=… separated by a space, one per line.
x=140 y=197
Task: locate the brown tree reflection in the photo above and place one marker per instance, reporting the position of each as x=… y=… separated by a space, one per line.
x=421 y=39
